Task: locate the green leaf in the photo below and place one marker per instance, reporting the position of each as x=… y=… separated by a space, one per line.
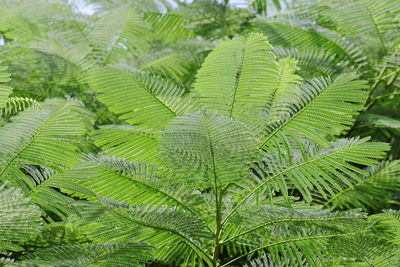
x=375 y=190
x=239 y=77
x=48 y=137
x=324 y=108
x=208 y=149
x=139 y=98
x=100 y=254
x=19 y=220
x=5 y=90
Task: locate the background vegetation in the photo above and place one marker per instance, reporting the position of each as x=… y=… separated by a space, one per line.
x=201 y=133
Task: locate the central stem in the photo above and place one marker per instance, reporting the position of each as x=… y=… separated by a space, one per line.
x=218 y=227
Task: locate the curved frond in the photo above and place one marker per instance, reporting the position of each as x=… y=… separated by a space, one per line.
x=317 y=170
x=305 y=35
x=373 y=191
x=169 y=28
x=19 y=221
x=389 y=222
x=100 y=254
x=314 y=62
x=239 y=77
x=120 y=27
x=47 y=137
x=208 y=149
x=16 y=104
x=139 y=98
x=324 y=108
x=368 y=249
x=134 y=183
x=175 y=234
x=125 y=141
x=46 y=187
x=70 y=45
x=5 y=90
x=14 y=26
x=366 y=17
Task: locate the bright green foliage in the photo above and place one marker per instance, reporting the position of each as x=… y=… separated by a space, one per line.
x=156 y=101
x=5 y=90
x=20 y=221
x=199 y=135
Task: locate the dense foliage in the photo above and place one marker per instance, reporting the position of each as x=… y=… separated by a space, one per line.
x=210 y=133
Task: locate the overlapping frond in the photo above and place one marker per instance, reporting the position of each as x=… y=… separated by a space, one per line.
x=139 y=98
x=365 y=16
x=257 y=222
x=5 y=90
x=70 y=45
x=168 y=64
x=16 y=104
x=366 y=249
x=373 y=191
x=323 y=171
x=208 y=149
x=389 y=222
x=298 y=244
x=125 y=141
x=134 y=183
x=324 y=108
x=285 y=87
x=46 y=188
x=314 y=62
x=176 y=234
x=47 y=137
x=169 y=28
x=14 y=26
x=239 y=77
x=19 y=221
x=304 y=35
x=119 y=28
x=277 y=228
x=100 y=254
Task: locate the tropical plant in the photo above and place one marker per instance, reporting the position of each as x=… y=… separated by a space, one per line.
x=153 y=135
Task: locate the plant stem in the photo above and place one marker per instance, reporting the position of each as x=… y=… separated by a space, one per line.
x=218 y=229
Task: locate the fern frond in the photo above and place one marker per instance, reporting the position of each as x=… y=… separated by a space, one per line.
x=46 y=186
x=169 y=28
x=19 y=222
x=389 y=221
x=14 y=26
x=139 y=98
x=226 y=81
x=47 y=137
x=324 y=108
x=298 y=244
x=314 y=62
x=317 y=170
x=70 y=45
x=365 y=16
x=208 y=149
x=254 y=222
x=369 y=248
x=372 y=192
x=304 y=35
x=120 y=27
x=100 y=254
x=125 y=141
x=175 y=234
x=16 y=104
x=5 y=90
x=134 y=183
x=167 y=64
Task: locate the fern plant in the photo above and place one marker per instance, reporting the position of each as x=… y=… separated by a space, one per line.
x=254 y=162
x=234 y=171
